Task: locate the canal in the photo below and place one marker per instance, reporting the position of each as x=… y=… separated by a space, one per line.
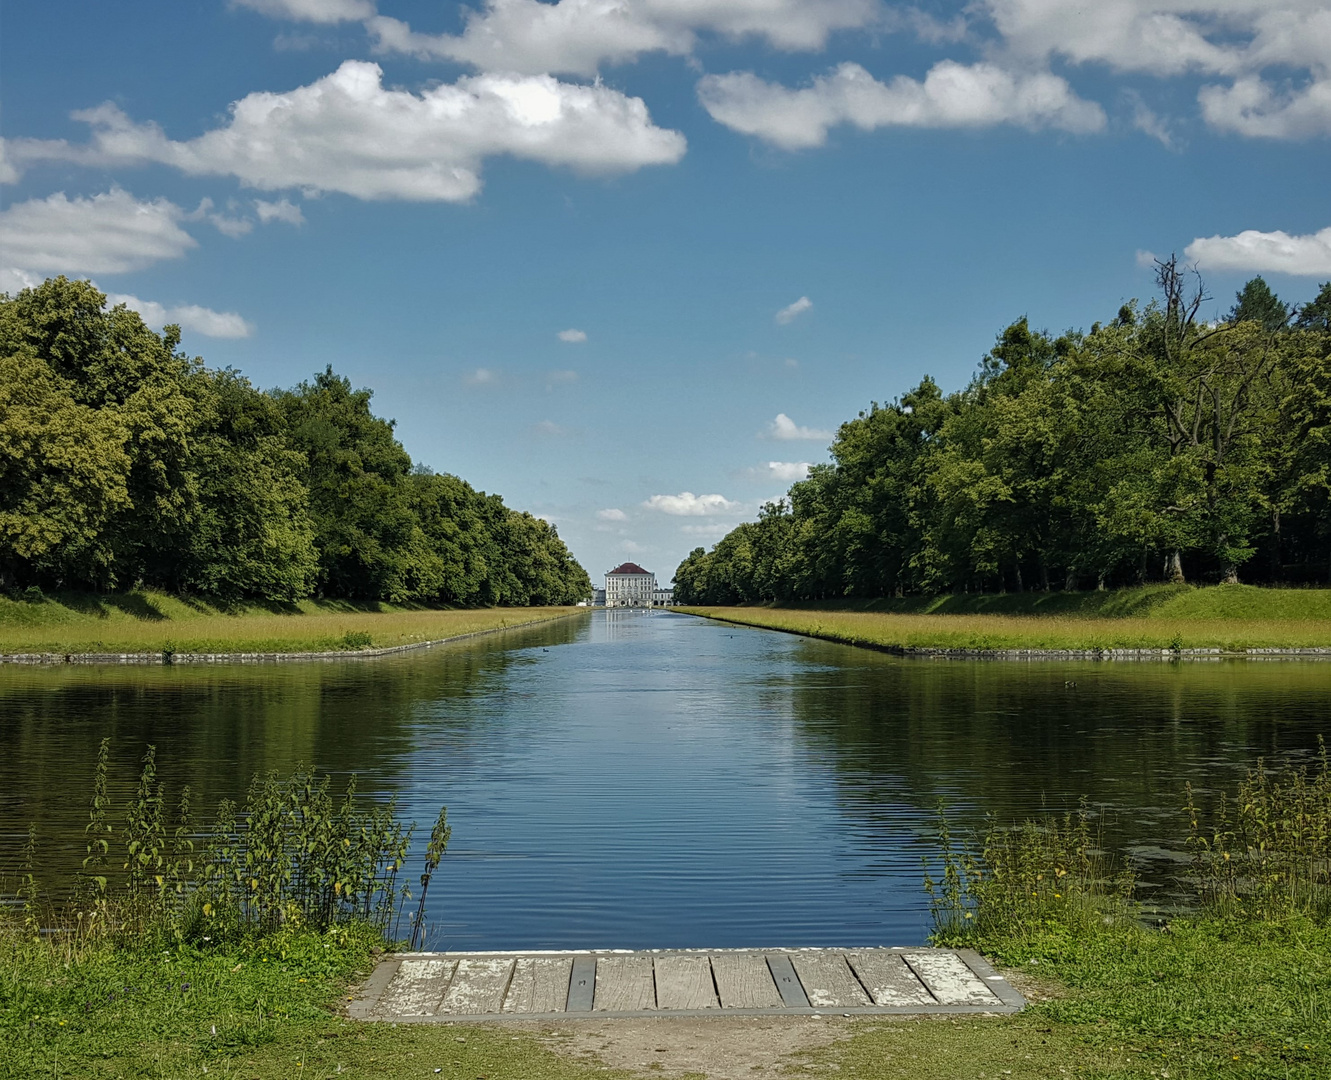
x=633 y=780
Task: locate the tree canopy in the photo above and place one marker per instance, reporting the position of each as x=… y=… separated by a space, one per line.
x=124 y=462
x=1157 y=445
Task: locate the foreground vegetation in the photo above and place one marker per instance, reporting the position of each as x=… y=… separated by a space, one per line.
x=146 y=621
x=125 y=463
x=166 y=988
x=1156 y=446
x=1229 y=617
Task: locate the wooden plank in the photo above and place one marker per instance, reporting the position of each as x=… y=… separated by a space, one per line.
x=624 y=984
x=477 y=988
x=744 y=981
x=888 y=979
x=828 y=981
x=684 y=982
x=417 y=988
x=949 y=979
x=539 y=985
x=582 y=984
x=787 y=982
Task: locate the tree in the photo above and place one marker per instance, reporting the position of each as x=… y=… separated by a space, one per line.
x=1316 y=313
x=1255 y=302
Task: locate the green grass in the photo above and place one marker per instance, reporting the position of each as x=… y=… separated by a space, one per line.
x=146 y=621
x=1229 y=617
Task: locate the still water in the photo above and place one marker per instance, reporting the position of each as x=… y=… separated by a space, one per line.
x=635 y=780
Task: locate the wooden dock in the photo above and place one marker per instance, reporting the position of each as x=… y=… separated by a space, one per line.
x=455 y=986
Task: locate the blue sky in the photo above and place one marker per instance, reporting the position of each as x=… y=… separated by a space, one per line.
x=630 y=262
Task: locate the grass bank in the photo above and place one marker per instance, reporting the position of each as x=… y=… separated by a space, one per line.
x=1229 y=617
x=151 y=622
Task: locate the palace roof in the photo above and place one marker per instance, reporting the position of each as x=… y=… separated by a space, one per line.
x=628 y=568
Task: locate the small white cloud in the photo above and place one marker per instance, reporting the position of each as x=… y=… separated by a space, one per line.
x=573 y=337
x=560 y=378
x=791 y=362
x=201 y=320
x=632 y=547
x=952 y=95
x=480 y=377
x=281 y=210
x=1251 y=106
x=792 y=311
x=789 y=470
x=107 y=234
x=716 y=529
x=784 y=429
x=315 y=11
x=1272 y=252
x=547 y=518
x=1145 y=120
x=549 y=428
x=1146 y=259
x=687 y=504
x=612 y=514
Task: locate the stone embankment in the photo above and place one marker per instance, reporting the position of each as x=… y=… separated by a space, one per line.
x=928 y=653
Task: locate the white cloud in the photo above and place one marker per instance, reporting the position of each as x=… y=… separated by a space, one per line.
x=632 y=547
x=550 y=428
x=8 y=173
x=281 y=210
x=789 y=470
x=573 y=337
x=1252 y=107
x=202 y=320
x=1273 y=252
x=687 y=504
x=715 y=528
x=480 y=377
x=316 y=11
x=951 y=95
x=1146 y=259
x=557 y=378
x=785 y=429
x=107 y=234
x=346 y=132
x=611 y=514
x=578 y=36
x=791 y=311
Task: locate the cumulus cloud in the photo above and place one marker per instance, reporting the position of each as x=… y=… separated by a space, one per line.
x=785 y=429
x=687 y=504
x=791 y=311
x=201 y=320
x=106 y=234
x=578 y=36
x=346 y=132
x=788 y=470
x=1265 y=252
x=951 y=95
x=1251 y=106
x=611 y=514
x=282 y=210
x=316 y=11
x=573 y=337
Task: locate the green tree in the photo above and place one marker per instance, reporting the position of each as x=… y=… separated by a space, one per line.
x=1316 y=313
x=1255 y=302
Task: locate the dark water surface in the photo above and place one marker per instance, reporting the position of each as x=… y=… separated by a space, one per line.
x=643 y=780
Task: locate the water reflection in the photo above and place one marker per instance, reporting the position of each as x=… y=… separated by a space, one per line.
x=649 y=779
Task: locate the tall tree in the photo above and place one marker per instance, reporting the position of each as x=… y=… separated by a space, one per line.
x=1255 y=302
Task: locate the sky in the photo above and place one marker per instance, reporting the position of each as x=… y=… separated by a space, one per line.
x=629 y=263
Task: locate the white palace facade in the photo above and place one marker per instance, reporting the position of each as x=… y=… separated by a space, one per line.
x=629 y=585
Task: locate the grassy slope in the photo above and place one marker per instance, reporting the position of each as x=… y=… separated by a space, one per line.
x=1223 y=616
x=1202 y=1001
x=150 y=622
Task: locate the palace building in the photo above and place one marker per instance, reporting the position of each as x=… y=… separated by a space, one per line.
x=629 y=585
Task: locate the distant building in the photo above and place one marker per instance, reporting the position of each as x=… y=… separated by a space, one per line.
x=629 y=585
x=663 y=597
x=598 y=597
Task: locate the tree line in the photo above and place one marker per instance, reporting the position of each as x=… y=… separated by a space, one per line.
x=124 y=462
x=1158 y=446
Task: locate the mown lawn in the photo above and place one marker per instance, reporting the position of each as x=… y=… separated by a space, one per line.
x=1228 y=617
x=148 y=621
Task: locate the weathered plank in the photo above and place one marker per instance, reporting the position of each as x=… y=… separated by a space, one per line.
x=582 y=984
x=478 y=987
x=828 y=981
x=684 y=981
x=949 y=979
x=888 y=979
x=744 y=981
x=624 y=984
x=539 y=985
x=417 y=988
x=787 y=982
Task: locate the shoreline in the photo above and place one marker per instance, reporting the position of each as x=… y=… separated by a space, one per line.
x=169 y=658
x=941 y=652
